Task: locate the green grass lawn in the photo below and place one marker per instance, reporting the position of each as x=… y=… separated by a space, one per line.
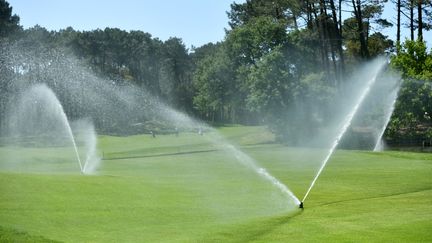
x=188 y=189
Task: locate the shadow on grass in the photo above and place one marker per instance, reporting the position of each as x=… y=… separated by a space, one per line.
x=12 y=235
x=161 y=155
x=417 y=155
x=252 y=230
x=374 y=197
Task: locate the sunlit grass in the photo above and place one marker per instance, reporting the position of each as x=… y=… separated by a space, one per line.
x=185 y=188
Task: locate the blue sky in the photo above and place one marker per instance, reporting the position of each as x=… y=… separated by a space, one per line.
x=390 y=14
x=197 y=22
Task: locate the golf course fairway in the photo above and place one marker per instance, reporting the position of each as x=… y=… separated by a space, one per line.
x=187 y=189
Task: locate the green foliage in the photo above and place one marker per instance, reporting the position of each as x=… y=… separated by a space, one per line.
x=214 y=84
x=281 y=10
x=286 y=102
x=412 y=114
x=249 y=42
x=270 y=85
x=174 y=80
x=377 y=43
x=301 y=50
x=267 y=63
x=414 y=61
x=315 y=89
x=9 y=23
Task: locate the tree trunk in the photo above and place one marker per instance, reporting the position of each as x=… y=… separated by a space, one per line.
x=398 y=26
x=364 y=52
x=412 y=19
x=295 y=21
x=329 y=40
x=326 y=36
x=318 y=24
x=340 y=17
x=420 y=21
x=309 y=15
x=338 y=41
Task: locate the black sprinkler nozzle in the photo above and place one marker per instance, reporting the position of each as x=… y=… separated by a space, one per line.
x=301 y=205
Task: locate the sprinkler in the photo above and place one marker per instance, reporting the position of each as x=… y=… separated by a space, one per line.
x=301 y=205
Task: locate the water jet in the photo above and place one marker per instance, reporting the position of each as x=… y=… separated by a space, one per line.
x=38 y=120
x=346 y=123
x=379 y=145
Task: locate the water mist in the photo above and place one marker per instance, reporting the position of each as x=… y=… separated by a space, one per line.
x=379 y=145
x=38 y=120
x=115 y=106
x=244 y=159
x=346 y=124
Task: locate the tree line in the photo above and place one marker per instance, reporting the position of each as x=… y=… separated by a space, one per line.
x=273 y=55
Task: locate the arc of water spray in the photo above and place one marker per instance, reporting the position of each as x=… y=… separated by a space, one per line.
x=69 y=129
x=247 y=161
x=379 y=142
x=241 y=157
x=347 y=123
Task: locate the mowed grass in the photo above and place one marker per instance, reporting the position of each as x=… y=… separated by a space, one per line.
x=189 y=189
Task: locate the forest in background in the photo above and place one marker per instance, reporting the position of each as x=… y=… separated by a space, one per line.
x=273 y=54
